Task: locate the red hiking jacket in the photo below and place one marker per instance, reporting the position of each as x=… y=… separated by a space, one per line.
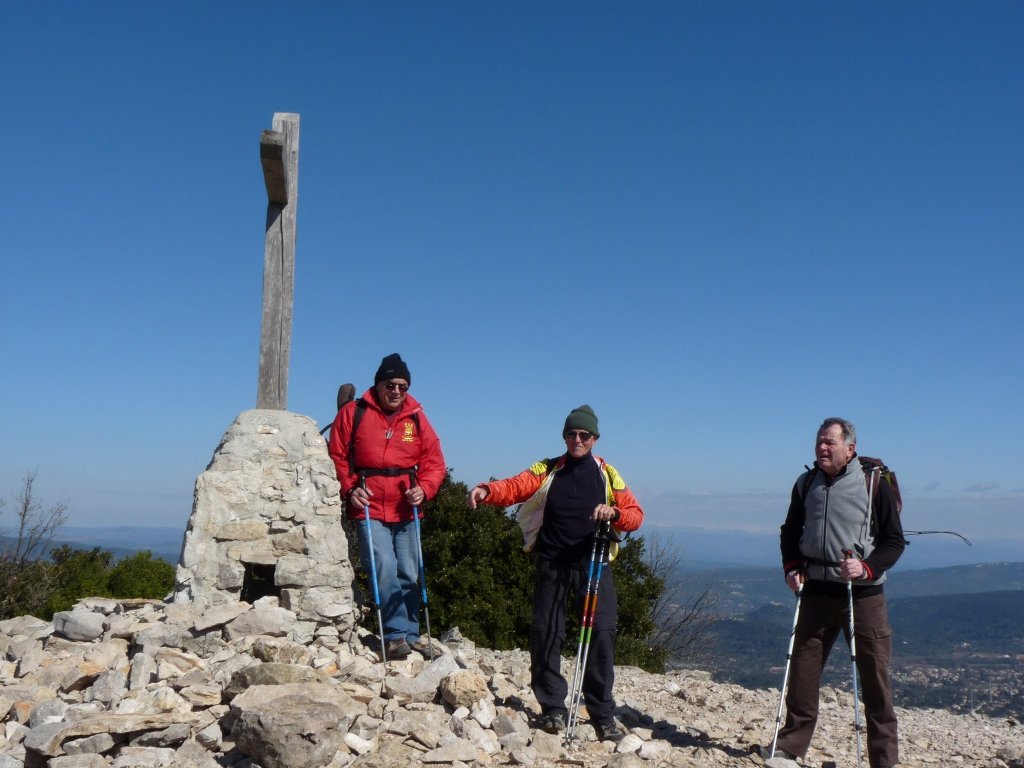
x=400 y=444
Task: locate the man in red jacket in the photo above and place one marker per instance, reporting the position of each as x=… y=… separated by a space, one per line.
x=389 y=459
x=568 y=497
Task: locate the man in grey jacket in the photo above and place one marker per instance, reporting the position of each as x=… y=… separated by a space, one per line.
x=841 y=506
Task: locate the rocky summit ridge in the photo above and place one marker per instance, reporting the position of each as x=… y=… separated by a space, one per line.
x=146 y=683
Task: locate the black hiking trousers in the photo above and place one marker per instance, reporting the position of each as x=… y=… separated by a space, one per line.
x=822 y=618
x=554 y=581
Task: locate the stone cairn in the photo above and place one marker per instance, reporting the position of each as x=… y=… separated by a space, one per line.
x=267 y=520
x=291 y=678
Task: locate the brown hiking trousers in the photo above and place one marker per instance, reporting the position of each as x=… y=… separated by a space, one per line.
x=821 y=620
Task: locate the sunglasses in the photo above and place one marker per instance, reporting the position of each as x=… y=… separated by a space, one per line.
x=396 y=386
x=582 y=434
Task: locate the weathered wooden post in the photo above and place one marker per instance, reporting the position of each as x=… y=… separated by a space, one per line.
x=279 y=154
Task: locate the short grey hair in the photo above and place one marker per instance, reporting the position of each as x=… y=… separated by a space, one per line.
x=849 y=431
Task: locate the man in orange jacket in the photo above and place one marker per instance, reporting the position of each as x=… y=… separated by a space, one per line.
x=571 y=495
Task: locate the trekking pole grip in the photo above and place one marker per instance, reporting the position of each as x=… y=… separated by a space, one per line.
x=847 y=554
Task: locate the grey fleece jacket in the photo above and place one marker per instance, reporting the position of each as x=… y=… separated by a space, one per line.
x=836 y=514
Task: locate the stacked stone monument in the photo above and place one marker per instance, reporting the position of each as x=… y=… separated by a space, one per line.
x=266 y=519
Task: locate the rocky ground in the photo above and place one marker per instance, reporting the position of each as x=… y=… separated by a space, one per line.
x=143 y=683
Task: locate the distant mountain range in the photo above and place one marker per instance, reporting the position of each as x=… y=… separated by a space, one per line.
x=162 y=542
x=744 y=589
x=703 y=549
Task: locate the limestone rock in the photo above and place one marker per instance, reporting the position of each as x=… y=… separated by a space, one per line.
x=77 y=761
x=47 y=738
x=26 y=626
x=293 y=731
x=281 y=650
x=454 y=750
x=274 y=622
x=464 y=687
x=271 y=673
x=78 y=624
x=220 y=614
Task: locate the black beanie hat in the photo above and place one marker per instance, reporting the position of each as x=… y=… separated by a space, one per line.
x=392 y=367
x=581 y=418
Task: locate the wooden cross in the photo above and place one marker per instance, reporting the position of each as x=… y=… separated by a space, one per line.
x=279 y=154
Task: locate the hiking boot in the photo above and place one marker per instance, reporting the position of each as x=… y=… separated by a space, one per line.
x=398 y=649
x=552 y=722
x=421 y=646
x=609 y=730
x=765 y=751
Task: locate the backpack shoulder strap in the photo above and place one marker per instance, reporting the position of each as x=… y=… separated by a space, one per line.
x=808 y=479
x=871 y=466
x=361 y=406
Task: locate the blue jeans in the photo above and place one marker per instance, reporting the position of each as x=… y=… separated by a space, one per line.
x=394 y=554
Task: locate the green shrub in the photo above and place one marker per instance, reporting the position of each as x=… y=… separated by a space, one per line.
x=141 y=575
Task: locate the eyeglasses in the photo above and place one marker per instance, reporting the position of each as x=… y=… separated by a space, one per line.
x=396 y=386
x=582 y=434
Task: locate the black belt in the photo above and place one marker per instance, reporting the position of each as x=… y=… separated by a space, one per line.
x=386 y=472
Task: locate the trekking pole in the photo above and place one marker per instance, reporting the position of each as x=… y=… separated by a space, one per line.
x=847 y=554
x=373 y=573
x=423 y=569
x=785 y=675
x=597 y=556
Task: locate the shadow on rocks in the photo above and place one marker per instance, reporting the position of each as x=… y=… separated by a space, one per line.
x=676 y=735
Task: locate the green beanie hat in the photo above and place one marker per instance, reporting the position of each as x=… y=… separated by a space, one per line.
x=582 y=417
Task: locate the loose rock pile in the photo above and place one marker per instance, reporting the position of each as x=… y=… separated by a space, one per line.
x=143 y=683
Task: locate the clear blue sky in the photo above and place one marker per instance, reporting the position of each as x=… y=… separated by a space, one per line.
x=714 y=222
